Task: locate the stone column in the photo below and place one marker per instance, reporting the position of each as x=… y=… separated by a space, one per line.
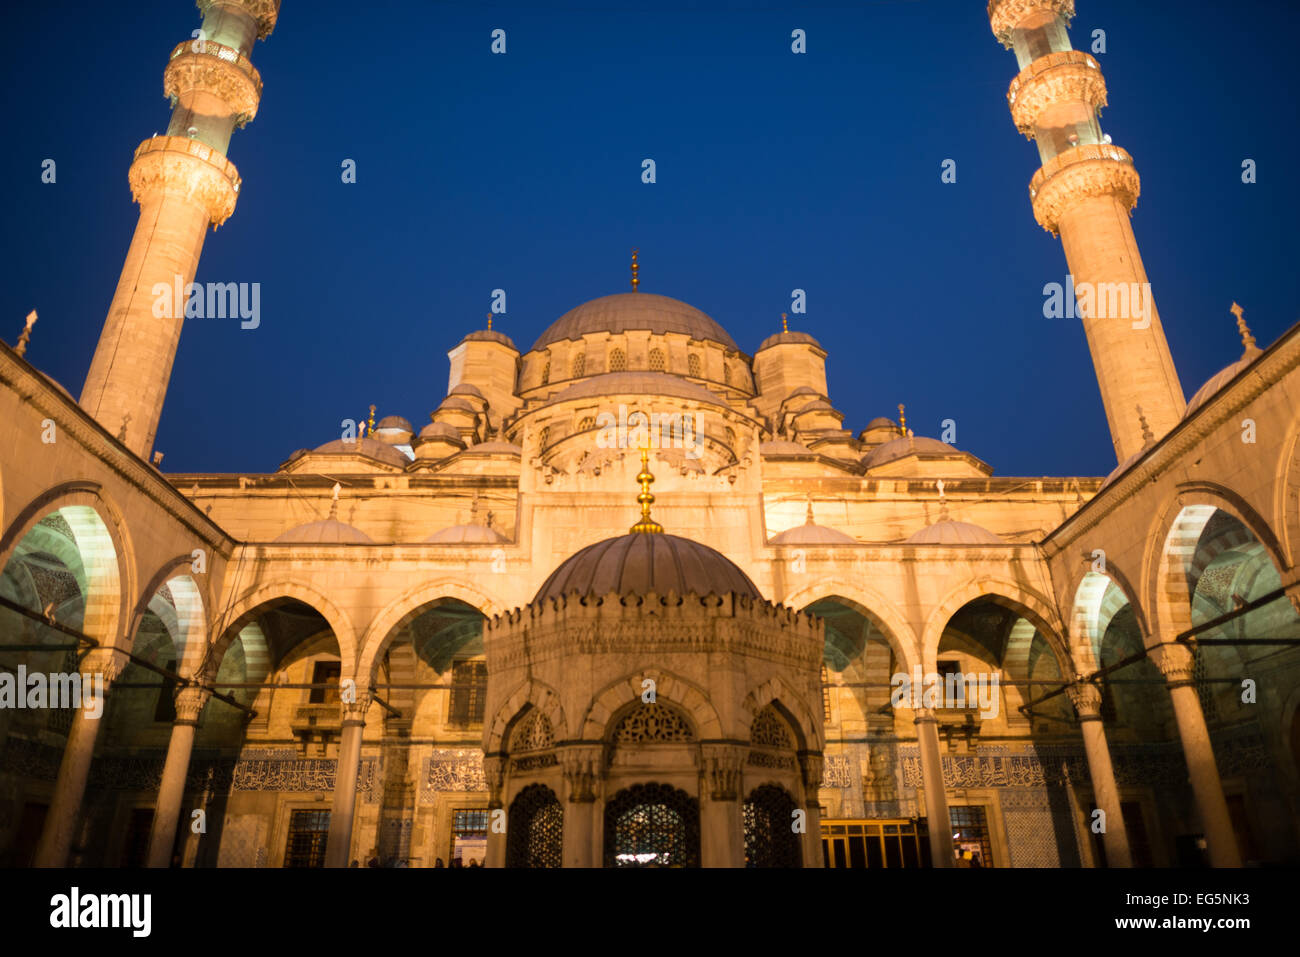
x=98 y=670
x=343 y=811
x=582 y=775
x=1176 y=663
x=494 y=768
x=1087 y=703
x=812 y=764
x=171 y=791
x=936 y=803
x=722 y=829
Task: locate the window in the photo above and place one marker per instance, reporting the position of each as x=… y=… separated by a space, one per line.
x=970 y=831
x=879 y=843
x=579 y=364
x=468 y=693
x=726 y=373
x=469 y=828
x=693 y=364
x=165 y=709
x=618 y=361
x=770 y=839
x=546 y=373
x=544 y=437
x=308 y=832
x=535 y=832
x=826 y=695
x=585 y=423
x=652 y=825
x=325 y=672
x=657 y=363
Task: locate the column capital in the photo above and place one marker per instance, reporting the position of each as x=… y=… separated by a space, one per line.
x=107 y=662
x=581 y=765
x=723 y=764
x=812 y=764
x=1176 y=662
x=189 y=703
x=354 y=712
x=924 y=716
x=1086 y=698
x=494 y=773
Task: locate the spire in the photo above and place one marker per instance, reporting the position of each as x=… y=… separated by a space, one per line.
x=370 y=424
x=489 y=319
x=785 y=326
x=636 y=281
x=1147 y=436
x=902 y=420
x=647 y=524
x=21 y=348
x=1247 y=340
x=809 y=515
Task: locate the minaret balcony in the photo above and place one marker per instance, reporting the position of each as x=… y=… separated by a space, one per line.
x=1069 y=76
x=1007 y=15
x=1093 y=169
x=190 y=167
x=217 y=70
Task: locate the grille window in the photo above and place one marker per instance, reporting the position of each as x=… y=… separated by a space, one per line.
x=468 y=693
x=657 y=363
x=308 y=831
x=618 y=361
x=693 y=364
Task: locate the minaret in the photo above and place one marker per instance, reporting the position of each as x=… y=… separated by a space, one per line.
x=1084 y=193
x=183 y=183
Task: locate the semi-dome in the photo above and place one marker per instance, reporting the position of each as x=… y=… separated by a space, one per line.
x=880 y=422
x=329 y=531
x=466 y=535
x=640 y=311
x=491 y=335
x=954 y=533
x=443 y=431
x=900 y=447
x=466 y=388
x=1218 y=381
x=645 y=562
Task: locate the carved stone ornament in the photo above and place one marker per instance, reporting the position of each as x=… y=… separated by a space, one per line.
x=1082 y=173
x=494 y=772
x=1086 y=699
x=1066 y=77
x=722 y=767
x=265 y=12
x=582 y=770
x=1176 y=662
x=1005 y=15
x=176 y=164
x=812 y=764
x=189 y=703
x=210 y=72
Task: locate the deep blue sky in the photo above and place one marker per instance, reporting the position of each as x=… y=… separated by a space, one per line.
x=775 y=171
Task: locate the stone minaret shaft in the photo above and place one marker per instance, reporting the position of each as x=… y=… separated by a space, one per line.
x=183 y=183
x=1084 y=193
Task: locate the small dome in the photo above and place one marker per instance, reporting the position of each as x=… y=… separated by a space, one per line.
x=329 y=531
x=880 y=422
x=810 y=534
x=490 y=335
x=466 y=535
x=820 y=405
x=782 y=338
x=1124 y=466
x=443 y=432
x=1219 y=380
x=495 y=447
x=782 y=447
x=900 y=447
x=641 y=311
x=371 y=448
x=954 y=533
x=394 y=430
x=394 y=422
x=645 y=562
x=466 y=389
x=457 y=403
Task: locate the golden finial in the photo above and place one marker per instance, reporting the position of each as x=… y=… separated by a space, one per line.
x=647 y=524
x=489 y=318
x=902 y=420
x=370 y=424
x=1147 y=435
x=1247 y=340
x=635 y=279
x=21 y=348
x=785 y=326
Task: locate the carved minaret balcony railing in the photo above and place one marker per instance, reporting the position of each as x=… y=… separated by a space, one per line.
x=1084 y=192
x=184 y=184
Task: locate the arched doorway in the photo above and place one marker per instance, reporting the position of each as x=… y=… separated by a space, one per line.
x=652 y=825
x=535 y=829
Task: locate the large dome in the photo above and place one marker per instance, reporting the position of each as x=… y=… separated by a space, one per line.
x=627 y=311
x=645 y=562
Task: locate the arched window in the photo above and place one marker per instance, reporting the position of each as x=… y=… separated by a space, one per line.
x=693 y=364
x=579 y=365
x=618 y=361
x=770 y=838
x=726 y=373
x=546 y=372
x=652 y=825
x=586 y=424
x=651 y=723
x=657 y=363
x=535 y=829
x=544 y=437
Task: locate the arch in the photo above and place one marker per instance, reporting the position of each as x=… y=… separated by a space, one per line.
x=526 y=695
x=652 y=825
x=192 y=642
x=1171 y=552
x=409 y=606
x=535 y=829
x=770 y=841
x=106 y=553
x=1286 y=506
x=871 y=604
x=1097 y=599
x=245 y=609
x=672 y=688
x=775 y=691
x=1027 y=603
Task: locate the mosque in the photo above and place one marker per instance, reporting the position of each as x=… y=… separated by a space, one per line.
x=536 y=632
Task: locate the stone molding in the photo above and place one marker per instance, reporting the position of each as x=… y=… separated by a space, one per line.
x=194 y=169
x=1005 y=15
x=218 y=70
x=1082 y=173
x=723 y=767
x=583 y=768
x=1064 y=77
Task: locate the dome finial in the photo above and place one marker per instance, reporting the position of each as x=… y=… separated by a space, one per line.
x=902 y=420
x=370 y=424
x=635 y=280
x=489 y=319
x=785 y=326
x=647 y=524
x=1247 y=340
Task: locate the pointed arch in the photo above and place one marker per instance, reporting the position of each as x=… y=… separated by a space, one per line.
x=526 y=695
x=776 y=691
x=869 y=603
x=668 y=686
x=1027 y=603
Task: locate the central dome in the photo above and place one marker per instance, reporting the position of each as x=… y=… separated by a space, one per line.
x=641 y=311
x=641 y=563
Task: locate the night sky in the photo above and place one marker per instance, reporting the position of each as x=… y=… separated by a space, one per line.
x=775 y=171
